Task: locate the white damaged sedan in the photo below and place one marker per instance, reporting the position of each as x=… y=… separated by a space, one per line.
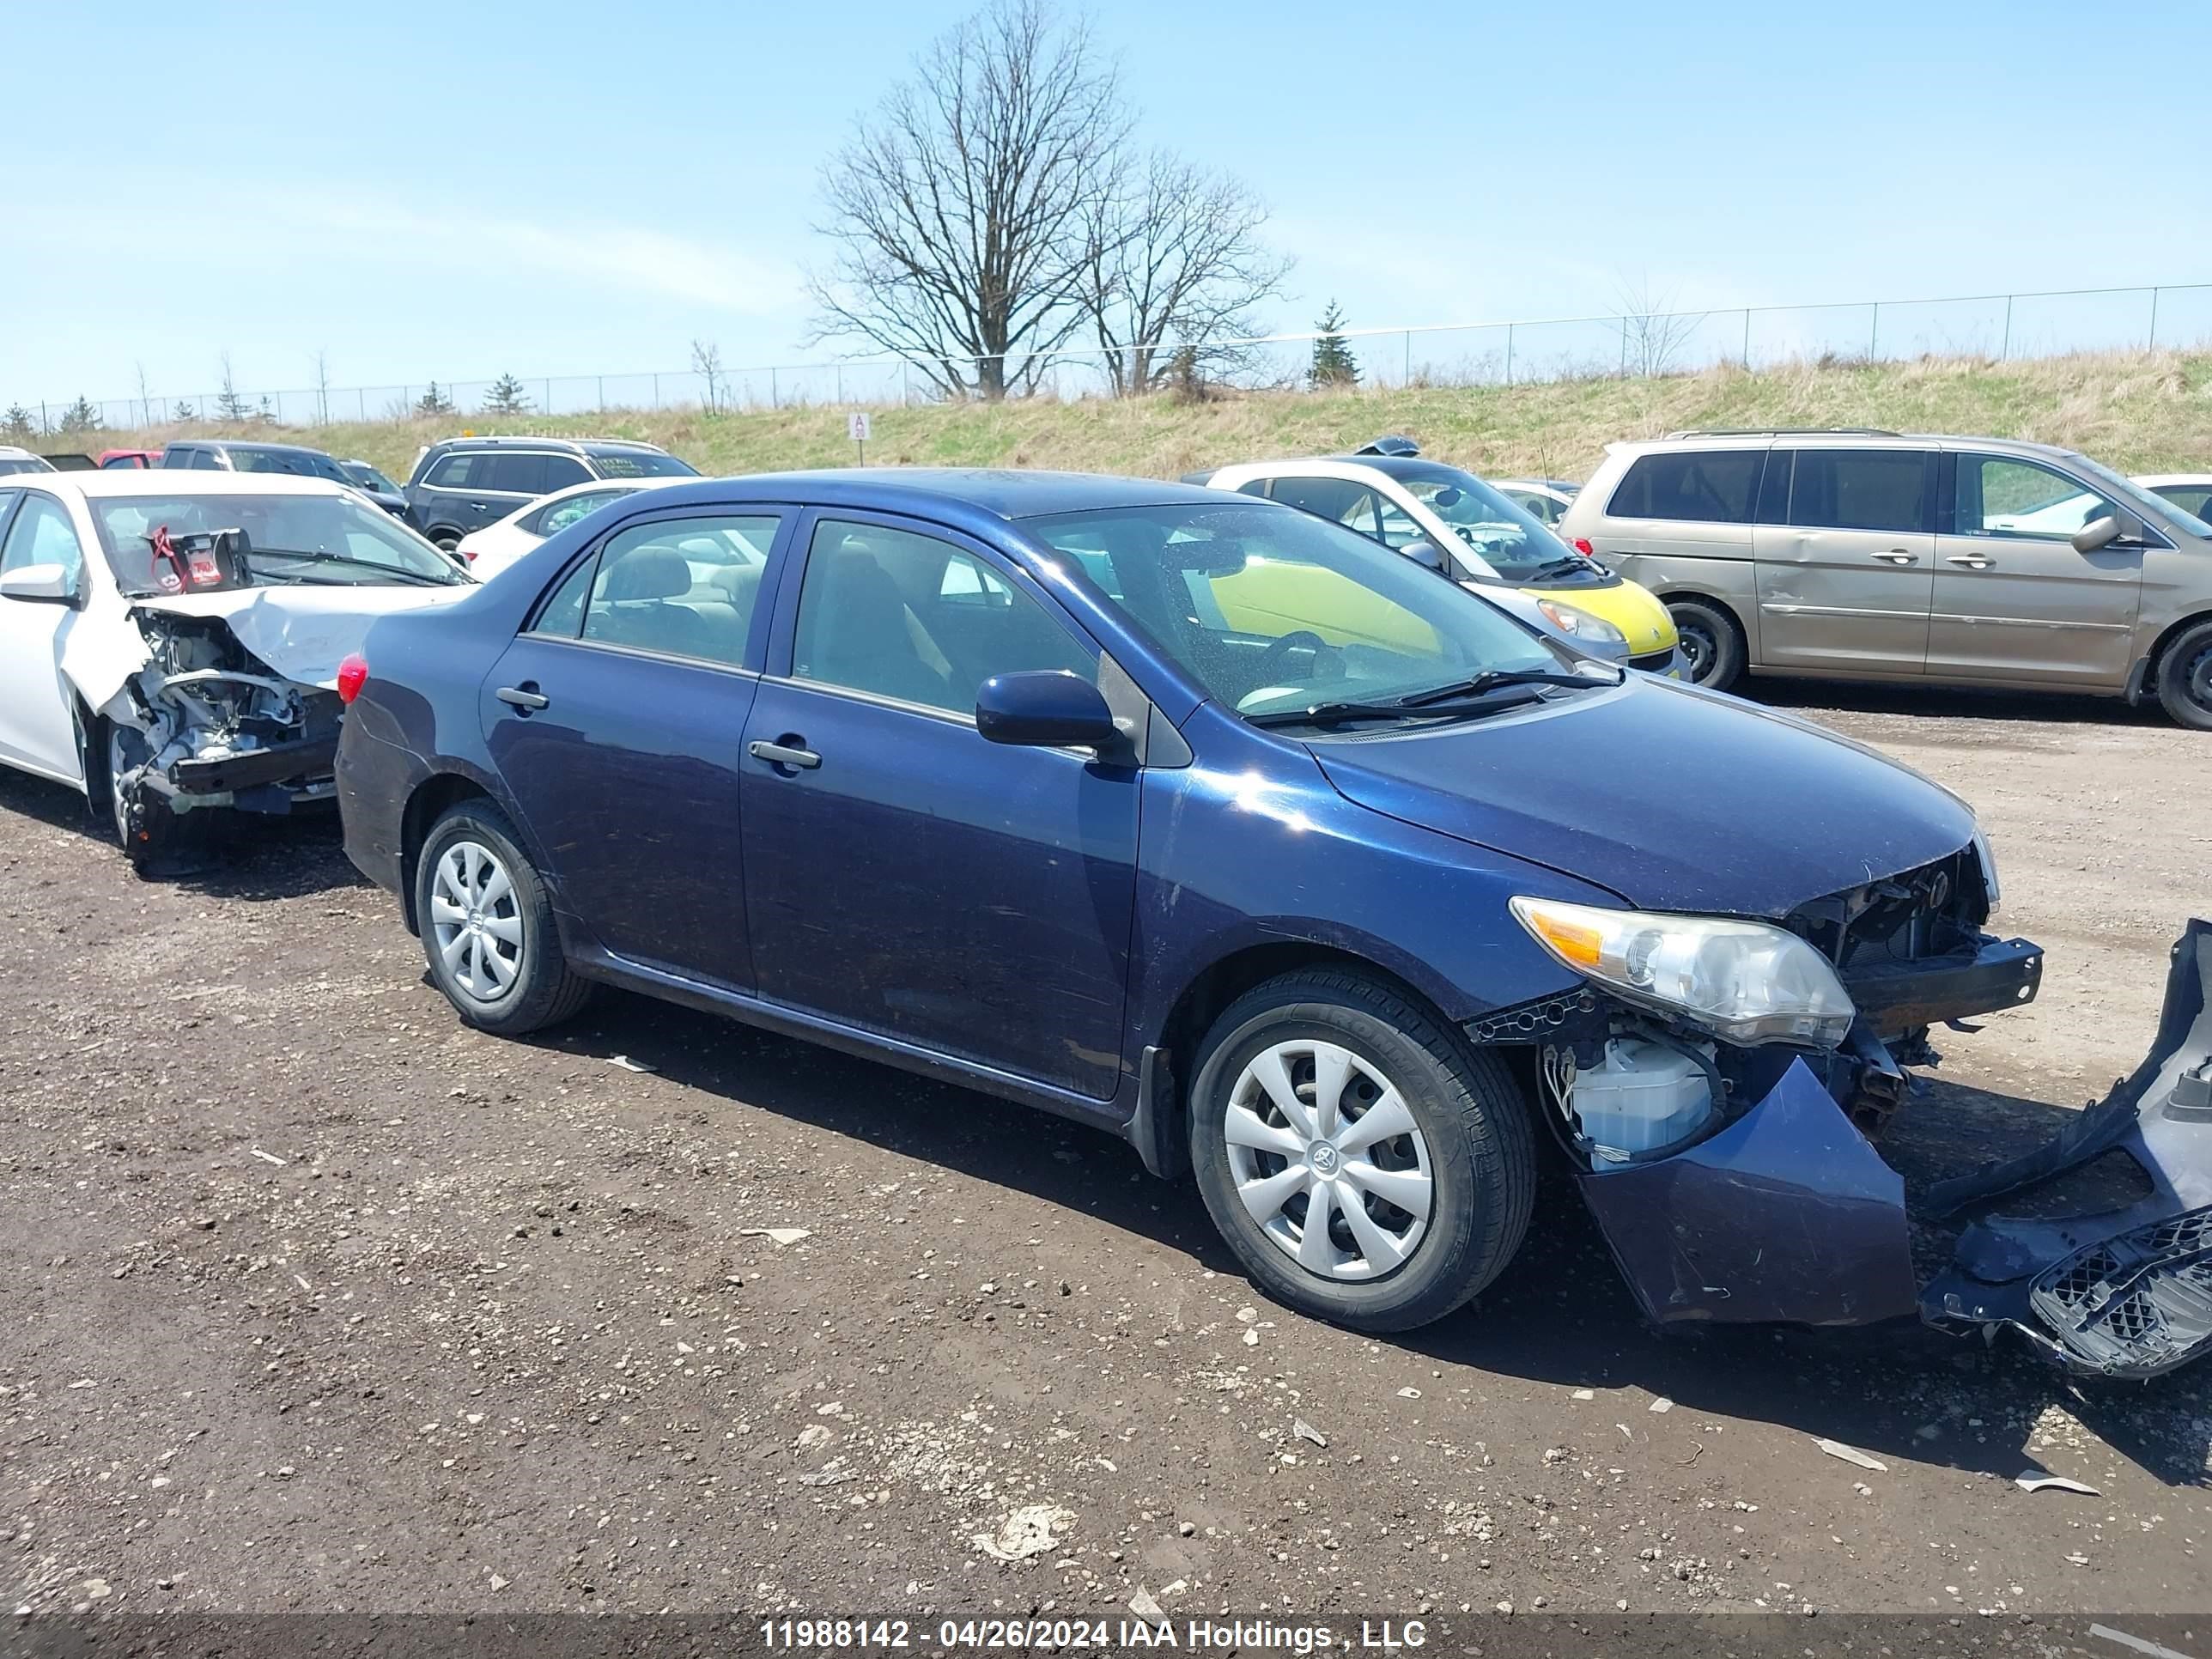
x=170 y=641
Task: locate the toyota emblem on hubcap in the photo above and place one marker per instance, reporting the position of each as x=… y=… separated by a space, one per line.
x=1321 y=1157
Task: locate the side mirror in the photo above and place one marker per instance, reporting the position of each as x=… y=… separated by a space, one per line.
x=2097 y=532
x=40 y=584
x=1045 y=709
x=1425 y=554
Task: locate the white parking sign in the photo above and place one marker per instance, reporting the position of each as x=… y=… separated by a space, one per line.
x=857 y=425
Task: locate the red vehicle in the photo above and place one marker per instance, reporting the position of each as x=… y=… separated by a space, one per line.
x=130 y=456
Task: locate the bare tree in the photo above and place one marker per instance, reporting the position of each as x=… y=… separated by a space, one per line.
x=1652 y=332
x=322 y=387
x=145 y=398
x=957 y=210
x=1173 y=254
x=707 y=364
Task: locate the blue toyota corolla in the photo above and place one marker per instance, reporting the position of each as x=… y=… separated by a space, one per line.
x=1213 y=824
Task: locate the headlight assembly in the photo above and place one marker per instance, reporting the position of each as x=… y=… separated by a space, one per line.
x=1989 y=868
x=1745 y=981
x=1580 y=625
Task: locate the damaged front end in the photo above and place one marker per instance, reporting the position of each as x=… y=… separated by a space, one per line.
x=204 y=723
x=1721 y=1130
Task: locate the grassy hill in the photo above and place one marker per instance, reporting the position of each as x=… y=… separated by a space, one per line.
x=2140 y=411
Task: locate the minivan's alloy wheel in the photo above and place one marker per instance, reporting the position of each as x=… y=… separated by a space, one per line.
x=1327 y=1160
x=474 y=923
x=2185 y=678
x=1367 y=1166
x=487 y=925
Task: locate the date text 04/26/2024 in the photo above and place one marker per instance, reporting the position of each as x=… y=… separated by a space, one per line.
x=1225 y=1636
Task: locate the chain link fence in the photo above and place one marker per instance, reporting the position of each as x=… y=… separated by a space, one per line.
x=1995 y=326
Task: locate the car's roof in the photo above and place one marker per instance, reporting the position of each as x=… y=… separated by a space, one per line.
x=1003 y=493
x=181 y=481
x=265 y=446
x=2153 y=480
x=527 y=441
x=1828 y=438
x=17 y=453
x=1558 y=486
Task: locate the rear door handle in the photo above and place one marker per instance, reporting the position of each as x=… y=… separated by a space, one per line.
x=1972 y=560
x=1898 y=555
x=780 y=754
x=525 y=696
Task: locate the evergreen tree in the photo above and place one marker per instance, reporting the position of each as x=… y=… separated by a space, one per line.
x=17 y=426
x=434 y=402
x=185 y=412
x=229 y=405
x=507 y=397
x=80 y=416
x=1333 y=363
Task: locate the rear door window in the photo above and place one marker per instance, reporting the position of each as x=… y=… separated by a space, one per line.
x=1338 y=499
x=1705 y=486
x=562 y=471
x=1882 y=489
x=514 y=475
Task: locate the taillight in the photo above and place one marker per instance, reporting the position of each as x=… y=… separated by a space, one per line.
x=353 y=674
x=1582 y=546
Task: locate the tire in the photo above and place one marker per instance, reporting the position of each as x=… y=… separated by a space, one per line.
x=2185 y=678
x=1712 y=644
x=1469 y=1135
x=156 y=840
x=446 y=541
x=501 y=937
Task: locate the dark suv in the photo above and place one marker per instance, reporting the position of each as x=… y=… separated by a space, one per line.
x=225 y=455
x=465 y=484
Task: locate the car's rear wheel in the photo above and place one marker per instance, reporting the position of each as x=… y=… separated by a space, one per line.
x=488 y=928
x=446 y=540
x=2185 y=678
x=1364 y=1165
x=1712 y=645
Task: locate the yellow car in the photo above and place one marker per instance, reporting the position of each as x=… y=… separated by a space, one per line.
x=1387 y=492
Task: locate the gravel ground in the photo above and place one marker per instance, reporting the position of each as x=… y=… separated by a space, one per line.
x=322 y=1301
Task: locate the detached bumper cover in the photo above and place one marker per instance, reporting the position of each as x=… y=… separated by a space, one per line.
x=2127 y=1292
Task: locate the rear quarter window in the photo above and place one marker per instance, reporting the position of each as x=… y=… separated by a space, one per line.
x=1707 y=486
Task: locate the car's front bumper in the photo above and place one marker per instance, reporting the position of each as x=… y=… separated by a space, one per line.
x=1789 y=1214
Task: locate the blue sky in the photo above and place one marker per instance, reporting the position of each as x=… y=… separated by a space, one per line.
x=462 y=189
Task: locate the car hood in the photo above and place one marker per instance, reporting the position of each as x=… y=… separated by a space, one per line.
x=1672 y=798
x=300 y=632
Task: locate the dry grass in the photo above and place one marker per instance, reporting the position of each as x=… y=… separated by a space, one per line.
x=2140 y=411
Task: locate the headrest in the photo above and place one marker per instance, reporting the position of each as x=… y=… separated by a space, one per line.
x=651 y=572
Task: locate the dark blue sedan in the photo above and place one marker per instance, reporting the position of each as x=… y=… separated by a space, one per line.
x=1215 y=825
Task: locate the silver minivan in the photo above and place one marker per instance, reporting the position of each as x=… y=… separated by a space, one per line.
x=1879 y=555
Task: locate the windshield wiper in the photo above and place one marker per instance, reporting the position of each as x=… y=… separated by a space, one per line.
x=1493 y=679
x=322 y=557
x=1572 y=565
x=1335 y=713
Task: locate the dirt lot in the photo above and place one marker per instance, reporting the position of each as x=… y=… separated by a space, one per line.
x=320 y=1301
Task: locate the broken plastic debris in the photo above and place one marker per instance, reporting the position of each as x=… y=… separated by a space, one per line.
x=2139 y=1644
x=2037 y=1480
x=780 y=1235
x=1852 y=1455
x=1662 y=1404
x=1305 y=1431
x=271 y=1157
x=1027 y=1531
x=1585 y=1393
x=629 y=1065
x=1147 y=1608
x=1409 y=1393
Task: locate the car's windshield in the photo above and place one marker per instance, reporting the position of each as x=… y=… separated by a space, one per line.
x=1273 y=609
x=318 y=538
x=367 y=477
x=2126 y=489
x=1511 y=540
x=641 y=464
x=300 y=463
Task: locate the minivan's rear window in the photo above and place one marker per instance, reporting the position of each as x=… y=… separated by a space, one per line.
x=1713 y=487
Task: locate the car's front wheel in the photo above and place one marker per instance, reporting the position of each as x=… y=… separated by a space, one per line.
x=2185 y=678
x=1364 y=1165
x=1712 y=645
x=157 y=840
x=487 y=925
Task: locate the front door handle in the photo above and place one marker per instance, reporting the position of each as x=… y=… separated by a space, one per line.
x=1972 y=560
x=783 y=754
x=525 y=696
x=1898 y=555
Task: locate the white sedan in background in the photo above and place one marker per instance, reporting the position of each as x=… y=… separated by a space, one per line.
x=2190 y=491
x=1548 y=499
x=491 y=550
x=170 y=641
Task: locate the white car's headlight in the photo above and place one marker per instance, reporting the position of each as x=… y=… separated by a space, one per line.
x=1580 y=625
x=1989 y=868
x=1744 y=982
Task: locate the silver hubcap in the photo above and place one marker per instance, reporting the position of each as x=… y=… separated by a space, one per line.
x=1327 y=1158
x=476 y=926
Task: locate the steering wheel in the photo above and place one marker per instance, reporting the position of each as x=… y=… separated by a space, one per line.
x=1304 y=639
